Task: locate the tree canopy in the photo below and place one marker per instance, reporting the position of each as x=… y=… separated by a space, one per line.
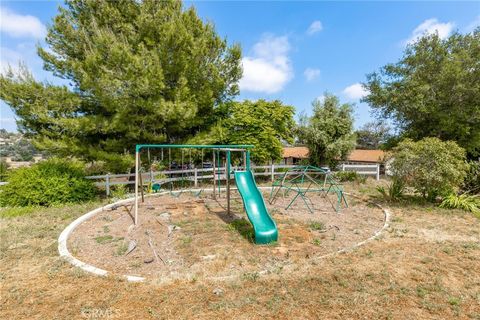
x=265 y=124
x=329 y=132
x=373 y=135
x=137 y=71
x=434 y=90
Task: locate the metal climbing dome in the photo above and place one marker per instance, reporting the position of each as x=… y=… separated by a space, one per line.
x=305 y=180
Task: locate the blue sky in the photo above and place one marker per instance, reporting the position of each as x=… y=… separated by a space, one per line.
x=292 y=51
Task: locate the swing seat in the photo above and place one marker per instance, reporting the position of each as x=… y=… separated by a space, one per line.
x=156 y=187
x=196 y=194
x=176 y=194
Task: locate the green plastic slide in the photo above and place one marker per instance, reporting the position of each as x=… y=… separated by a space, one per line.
x=263 y=225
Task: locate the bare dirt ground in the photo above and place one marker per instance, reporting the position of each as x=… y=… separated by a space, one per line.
x=195 y=238
x=426 y=266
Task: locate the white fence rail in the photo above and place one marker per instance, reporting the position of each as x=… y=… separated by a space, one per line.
x=194 y=175
x=365 y=169
x=198 y=174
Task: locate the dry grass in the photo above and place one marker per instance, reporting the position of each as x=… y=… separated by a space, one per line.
x=425 y=267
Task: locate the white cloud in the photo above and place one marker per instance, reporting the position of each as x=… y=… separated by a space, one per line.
x=474 y=24
x=431 y=26
x=355 y=92
x=311 y=74
x=18 y=26
x=269 y=69
x=315 y=27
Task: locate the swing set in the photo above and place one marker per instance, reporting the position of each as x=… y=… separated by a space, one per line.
x=183 y=177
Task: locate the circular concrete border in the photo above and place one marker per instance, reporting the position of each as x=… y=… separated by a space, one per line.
x=65 y=253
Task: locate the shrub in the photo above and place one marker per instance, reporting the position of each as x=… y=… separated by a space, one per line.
x=431 y=166
x=47 y=183
x=3 y=170
x=471 y=184
x=463 y=202
x=119 y=191
x=349 y=176
x=394 y=191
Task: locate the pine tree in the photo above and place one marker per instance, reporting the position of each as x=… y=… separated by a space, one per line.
x=137 y=72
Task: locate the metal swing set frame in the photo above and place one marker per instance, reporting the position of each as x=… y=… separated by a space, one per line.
x=217 y=175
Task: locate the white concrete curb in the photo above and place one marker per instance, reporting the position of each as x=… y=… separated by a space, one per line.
x=63 y=238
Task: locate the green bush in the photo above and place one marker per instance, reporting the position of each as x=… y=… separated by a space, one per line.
x=471 y=184
x=3 y=170
x=431 y=166
x=47 y=183
x=119 y=191
x=349 y=176
x=463 y=202
x=394 y=191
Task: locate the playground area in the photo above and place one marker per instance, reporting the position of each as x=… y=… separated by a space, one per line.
x=222 y=232
x=189 y=237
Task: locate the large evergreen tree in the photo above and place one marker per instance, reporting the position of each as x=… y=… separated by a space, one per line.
x=138 y=72
x=434 y=90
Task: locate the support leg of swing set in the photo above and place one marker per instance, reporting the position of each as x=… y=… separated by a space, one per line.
x=218 y=170
x=227 y=167
x=141 y=186
x=214 y=180
x=136 y=187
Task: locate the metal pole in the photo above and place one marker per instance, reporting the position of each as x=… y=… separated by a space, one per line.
x=219 y=172
x=228 y=181
x=195 y=174
x=214 y=180
x=378 y=172
x=248 y=160
x=107 y=184
x=244 y=161
x=136 y=186
x=273 y=172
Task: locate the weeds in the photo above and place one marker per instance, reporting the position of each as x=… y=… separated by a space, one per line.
x=250 y=276
x=394 y=191
x=119 y=191
x=104 y=239
x=243 y=227
x=317 y=226
x=107 y=239
x=464 y=202
x=121 y=249
x=186 y=240
x=11 y=212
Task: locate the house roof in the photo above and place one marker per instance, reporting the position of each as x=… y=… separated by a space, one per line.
x=358 y=155
x=367 y=156
x=295 y=152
